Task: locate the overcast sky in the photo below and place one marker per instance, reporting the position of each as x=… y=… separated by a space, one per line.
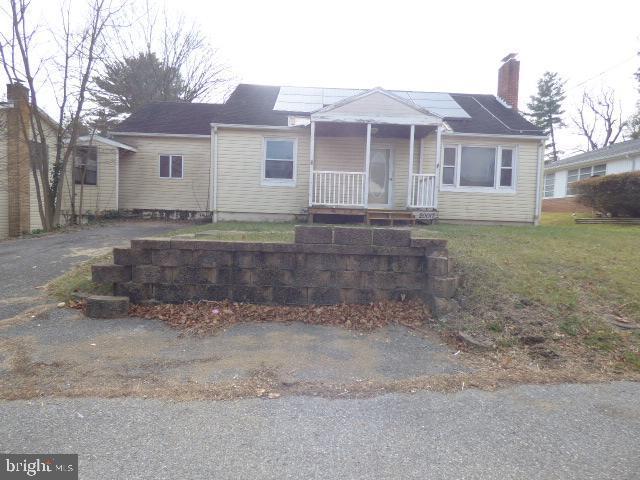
x=432 y=46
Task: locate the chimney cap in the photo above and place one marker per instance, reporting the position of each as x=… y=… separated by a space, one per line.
x=510 y=56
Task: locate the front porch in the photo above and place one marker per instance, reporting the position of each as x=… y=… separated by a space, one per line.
x=372 y=164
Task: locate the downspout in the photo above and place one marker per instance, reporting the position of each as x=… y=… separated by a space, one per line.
x=538 y=207
x=117 y=179
x=213 y=180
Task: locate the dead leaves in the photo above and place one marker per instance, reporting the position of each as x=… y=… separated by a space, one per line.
x=206 y=317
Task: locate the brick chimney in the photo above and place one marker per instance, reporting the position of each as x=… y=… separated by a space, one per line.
x=508 y=79
x=17 y=92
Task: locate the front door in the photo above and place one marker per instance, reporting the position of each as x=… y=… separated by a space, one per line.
x=380 y=177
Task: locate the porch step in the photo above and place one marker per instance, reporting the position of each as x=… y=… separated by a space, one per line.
x=390 y=216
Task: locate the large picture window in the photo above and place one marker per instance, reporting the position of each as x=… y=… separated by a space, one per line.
x=280 y=161
x=171 y=166
x=482 y=168
x=85 y=167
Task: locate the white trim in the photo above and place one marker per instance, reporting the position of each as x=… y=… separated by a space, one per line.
x=171 y=177
x=172 y=135
x=496 y=188
x=90 y=139
x=367 y=164
x=412 y=141
x=539 y=184
x=376 y=119
x=312 y=160
x=279 y=182
x=117 y=179
x=212 y=174
x=494 y=135
x=436 y=188
x=215 y=174
x=259 y=127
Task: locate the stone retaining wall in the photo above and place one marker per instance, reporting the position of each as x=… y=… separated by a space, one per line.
x=325 y=265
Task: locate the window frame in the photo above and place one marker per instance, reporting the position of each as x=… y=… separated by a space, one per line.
x=170 y=155
x=75 y=156
x=552 y=177
x=580 y=176
x=496 y=188
x=279 y=182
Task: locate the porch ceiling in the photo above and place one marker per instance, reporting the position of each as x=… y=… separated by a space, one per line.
x=330 y=129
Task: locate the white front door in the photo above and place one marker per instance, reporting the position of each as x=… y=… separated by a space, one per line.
x=380 y=177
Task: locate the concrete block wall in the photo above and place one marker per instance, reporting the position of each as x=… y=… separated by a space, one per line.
x=325 y=265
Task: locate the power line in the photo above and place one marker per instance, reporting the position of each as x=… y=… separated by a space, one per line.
x=603 y=72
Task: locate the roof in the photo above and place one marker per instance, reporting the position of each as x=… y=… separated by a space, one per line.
x=254 y=105
x=621 y=149
x=90 y=139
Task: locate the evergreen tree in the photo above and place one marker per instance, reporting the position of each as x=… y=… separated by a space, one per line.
x=545 y=109
x=130 y=83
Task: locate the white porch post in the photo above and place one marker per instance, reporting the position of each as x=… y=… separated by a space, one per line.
x=367 y=162
x=436 y=187
x=412 y=135
x=312 y=154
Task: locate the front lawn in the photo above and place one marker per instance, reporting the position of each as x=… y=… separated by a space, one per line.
x=551 y=291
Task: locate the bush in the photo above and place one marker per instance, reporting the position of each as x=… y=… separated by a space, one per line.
x=618 y=195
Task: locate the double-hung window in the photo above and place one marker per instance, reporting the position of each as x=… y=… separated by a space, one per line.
x=85 y=167
x=279 y=165
x=171 y=166
x=549 y=184
x=582 y=173
x=478 y=168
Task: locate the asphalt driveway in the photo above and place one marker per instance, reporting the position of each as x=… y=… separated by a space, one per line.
x=29 y=263
x=564 y=432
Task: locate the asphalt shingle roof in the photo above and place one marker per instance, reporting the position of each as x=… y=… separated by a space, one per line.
x=629 y=147
x=253 y=105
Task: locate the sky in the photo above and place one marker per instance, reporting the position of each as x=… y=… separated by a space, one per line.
x=451 y=46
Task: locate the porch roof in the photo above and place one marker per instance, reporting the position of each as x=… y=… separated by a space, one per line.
x=376 y=106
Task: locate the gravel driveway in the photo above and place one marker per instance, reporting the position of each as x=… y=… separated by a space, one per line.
x=29 y=263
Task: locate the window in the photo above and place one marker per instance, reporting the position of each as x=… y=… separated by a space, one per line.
x=86 y=165
x=170 y=166
x=549 y=184
x=472 y=168
x=582 y=173
x=279 y=161
x=449 y=166
x=506 y=168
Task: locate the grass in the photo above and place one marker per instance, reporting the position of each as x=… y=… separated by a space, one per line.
x=558 y=280
x=78 y=279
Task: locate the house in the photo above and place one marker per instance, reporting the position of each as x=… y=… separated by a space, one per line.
x=560 y=174
x=94 y=170
x=282 y=153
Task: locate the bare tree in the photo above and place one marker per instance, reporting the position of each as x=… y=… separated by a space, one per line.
x=599 y=119
x=80 y=50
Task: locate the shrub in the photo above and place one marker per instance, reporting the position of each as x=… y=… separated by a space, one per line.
x=618 y=195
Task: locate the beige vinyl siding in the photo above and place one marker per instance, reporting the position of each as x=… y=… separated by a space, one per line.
x=495 y=207
x=103 y=196
x=4 y=184
x=240 y=186
x=34 y=211
x=141 y=186
x=376 y=102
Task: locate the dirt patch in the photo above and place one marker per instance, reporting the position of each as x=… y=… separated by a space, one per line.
x=209 y=317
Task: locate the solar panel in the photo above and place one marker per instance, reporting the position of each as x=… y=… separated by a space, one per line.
x=310 y=99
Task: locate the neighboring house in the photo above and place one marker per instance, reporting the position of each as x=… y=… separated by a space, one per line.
x=95 y=174
x=561 y=174
x=278 y=153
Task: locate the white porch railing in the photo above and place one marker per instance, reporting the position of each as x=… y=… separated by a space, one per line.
x=422 y=190
x=334 y=188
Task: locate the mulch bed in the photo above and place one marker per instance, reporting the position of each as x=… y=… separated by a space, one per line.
x=207 y=317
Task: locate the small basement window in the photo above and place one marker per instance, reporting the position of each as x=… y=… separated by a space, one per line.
x=279 y=166
x=171 y=166
x=85 y=169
